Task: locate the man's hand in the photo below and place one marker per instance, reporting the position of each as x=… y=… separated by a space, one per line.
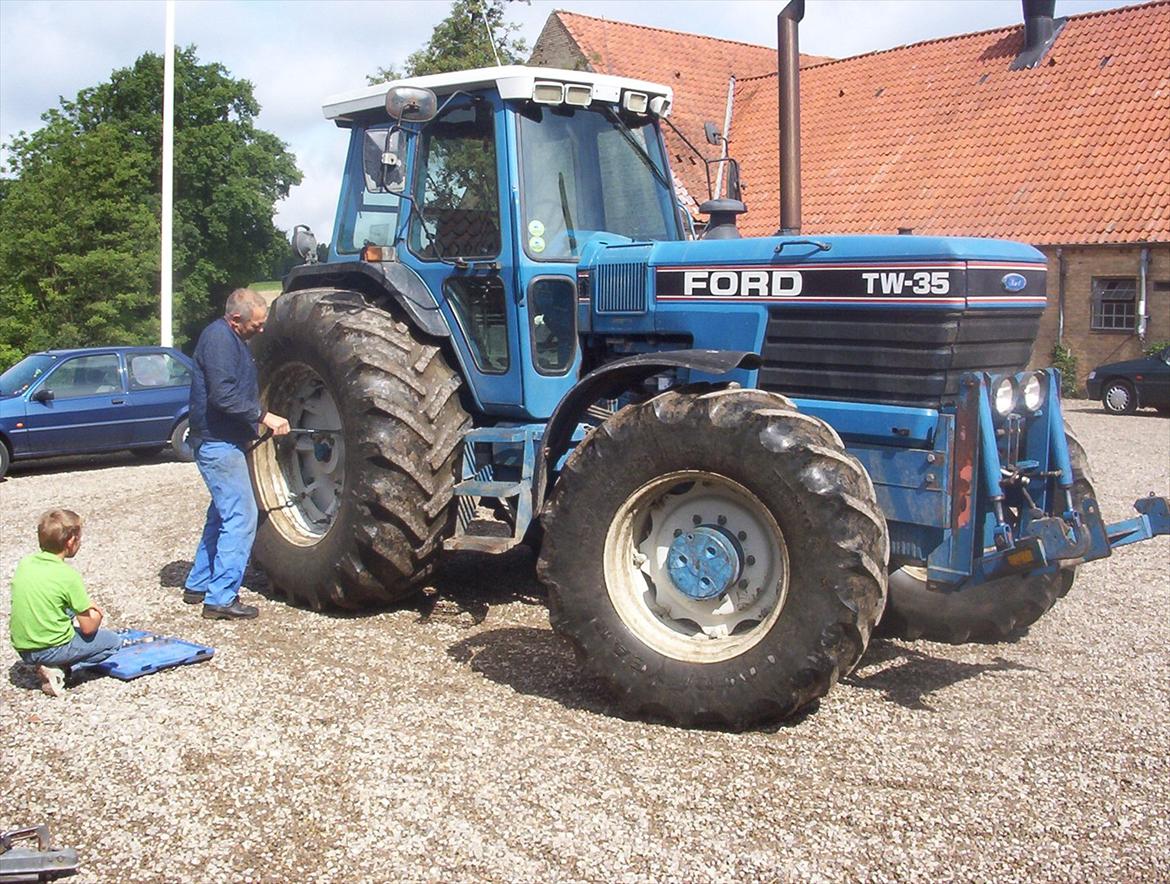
x=276 y=423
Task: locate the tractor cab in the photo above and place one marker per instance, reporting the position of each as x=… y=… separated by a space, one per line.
x=486 y=186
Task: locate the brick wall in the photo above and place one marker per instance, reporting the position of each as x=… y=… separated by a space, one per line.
x=1081 y=264
x=555 y=48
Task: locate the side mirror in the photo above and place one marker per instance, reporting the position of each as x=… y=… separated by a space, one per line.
x=711 y=133
x=411 y=104
x=304 y=244
x=43 y=395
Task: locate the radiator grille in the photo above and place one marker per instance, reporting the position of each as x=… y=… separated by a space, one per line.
x=906 y=358
x=620 y=288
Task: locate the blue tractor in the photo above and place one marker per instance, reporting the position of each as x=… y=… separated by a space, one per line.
x=733 y=455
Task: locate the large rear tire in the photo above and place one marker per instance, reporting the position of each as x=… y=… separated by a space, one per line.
x=758 y=477
x=993 y=611
x=355 y=516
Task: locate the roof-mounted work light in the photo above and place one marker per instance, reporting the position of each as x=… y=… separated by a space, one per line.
x=544 y=92
x=636 y=102
x=577 y=95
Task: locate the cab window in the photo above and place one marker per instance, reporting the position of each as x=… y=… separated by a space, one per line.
x=150 y=370
x=371 y=212
x=458 y=187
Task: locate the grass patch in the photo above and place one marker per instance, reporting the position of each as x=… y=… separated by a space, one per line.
x=266 y=287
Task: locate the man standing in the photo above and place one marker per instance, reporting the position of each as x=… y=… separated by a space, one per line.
x=225 y=412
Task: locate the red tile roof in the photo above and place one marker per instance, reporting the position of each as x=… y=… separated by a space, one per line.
x=939 y=136
x=696 y=67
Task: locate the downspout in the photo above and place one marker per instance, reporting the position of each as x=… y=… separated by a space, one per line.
x=1060 y=295
x=1143 y=275
x=726 y=132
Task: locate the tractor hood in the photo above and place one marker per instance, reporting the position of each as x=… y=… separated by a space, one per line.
x=873 y=318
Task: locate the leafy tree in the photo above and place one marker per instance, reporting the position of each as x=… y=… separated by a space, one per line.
x=79 y=226
x=460 y=42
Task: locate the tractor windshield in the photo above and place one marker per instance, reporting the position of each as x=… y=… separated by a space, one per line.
x=584 y=171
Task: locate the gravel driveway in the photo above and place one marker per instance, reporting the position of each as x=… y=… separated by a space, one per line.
x=455 y=740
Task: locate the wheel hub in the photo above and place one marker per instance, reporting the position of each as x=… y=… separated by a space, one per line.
x=705 y=563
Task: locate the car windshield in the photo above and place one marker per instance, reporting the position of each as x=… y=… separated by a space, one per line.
x=22 y=375
x=591 y=170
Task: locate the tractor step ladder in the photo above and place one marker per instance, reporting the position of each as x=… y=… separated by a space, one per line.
x=510 y=450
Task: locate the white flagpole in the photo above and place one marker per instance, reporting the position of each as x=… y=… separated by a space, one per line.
x=166 y=337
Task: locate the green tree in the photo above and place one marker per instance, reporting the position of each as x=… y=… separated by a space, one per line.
x=79 y=226
x=460 y=42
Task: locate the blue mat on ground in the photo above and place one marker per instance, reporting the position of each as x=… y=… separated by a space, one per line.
x=146 y=652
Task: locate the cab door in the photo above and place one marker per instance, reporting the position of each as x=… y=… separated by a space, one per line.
x=459 y=240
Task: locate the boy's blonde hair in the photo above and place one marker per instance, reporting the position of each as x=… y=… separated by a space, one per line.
x=56 y=528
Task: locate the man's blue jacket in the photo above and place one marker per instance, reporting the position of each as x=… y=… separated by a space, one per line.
x=225 y=395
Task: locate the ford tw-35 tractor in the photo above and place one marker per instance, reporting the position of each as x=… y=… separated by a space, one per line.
x=732 y=454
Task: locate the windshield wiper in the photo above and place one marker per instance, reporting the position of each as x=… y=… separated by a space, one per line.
x=565 y=214
x=643 y=155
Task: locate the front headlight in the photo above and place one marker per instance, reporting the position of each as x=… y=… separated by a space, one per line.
x=1004 y=397
x=1033 y=391
x=1092 y=374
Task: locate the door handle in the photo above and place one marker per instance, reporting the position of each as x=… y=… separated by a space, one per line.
x=117 y=401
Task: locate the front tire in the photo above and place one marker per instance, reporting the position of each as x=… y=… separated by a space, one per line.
x=355 y=516
x=180 y=442
x=760 y=479
x=1118 y=397
x=990 y=612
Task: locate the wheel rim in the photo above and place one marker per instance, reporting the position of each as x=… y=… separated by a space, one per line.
x=301 y=477
x=642 y=548
x=1117 y=397
x=183 y=449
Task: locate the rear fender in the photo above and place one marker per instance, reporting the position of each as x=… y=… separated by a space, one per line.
x=613 y=379
x=378 y=280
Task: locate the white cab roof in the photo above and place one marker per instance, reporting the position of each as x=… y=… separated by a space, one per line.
x=512 y=81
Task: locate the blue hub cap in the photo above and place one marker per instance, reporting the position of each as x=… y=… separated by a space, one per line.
x=704 y=562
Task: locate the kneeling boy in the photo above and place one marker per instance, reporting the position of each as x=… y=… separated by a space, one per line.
x=46 y=595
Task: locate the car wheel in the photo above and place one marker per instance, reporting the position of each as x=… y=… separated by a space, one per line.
x=1118 y=397
x=179 y=443
x=5 y=458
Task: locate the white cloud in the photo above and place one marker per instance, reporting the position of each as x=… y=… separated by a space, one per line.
x=296 y=53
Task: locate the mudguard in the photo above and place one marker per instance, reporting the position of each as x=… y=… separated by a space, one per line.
x=615 y=378
x=377 y=279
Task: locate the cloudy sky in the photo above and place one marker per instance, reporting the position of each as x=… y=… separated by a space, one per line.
x=297 y=52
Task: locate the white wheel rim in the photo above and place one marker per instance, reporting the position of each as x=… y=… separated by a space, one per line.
x=301 y=476
x=643 y=593
x=1118 y=397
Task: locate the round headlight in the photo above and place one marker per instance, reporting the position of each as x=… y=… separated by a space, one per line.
x=1004 y=397
x=1033 y=391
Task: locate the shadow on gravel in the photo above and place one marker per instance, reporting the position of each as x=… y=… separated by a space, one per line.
x=908 y=677
x=81 y=463
x=468 y=584
x=23 y=676
x=534 y=662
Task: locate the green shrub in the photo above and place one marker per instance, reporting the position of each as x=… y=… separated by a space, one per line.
x=1153 y=348
x=1066 y=361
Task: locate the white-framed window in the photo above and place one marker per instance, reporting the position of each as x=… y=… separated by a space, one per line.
x=1114 y=304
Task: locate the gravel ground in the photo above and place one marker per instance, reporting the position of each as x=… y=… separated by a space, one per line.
x=454 y=739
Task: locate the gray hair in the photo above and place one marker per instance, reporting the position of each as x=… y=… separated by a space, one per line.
x=245 y=302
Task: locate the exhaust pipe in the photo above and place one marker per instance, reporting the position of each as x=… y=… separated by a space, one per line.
x=788 y=69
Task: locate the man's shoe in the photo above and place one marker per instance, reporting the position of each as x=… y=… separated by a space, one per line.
x=193 y=597
x=52 y=680
x=235 y=611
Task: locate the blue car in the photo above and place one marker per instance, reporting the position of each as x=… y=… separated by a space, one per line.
x=96 y=399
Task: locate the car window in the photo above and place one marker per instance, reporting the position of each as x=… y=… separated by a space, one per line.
x=22 y=375
x=148 y=370
x=86 y=376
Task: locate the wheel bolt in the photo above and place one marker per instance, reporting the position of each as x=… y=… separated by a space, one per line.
x=677 y=532
x=742 y=535
x=743 y=583
x=722 y=520
x=698 y=520
x=751 y=560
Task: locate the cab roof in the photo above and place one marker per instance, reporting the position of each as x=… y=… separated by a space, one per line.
x=511 y=81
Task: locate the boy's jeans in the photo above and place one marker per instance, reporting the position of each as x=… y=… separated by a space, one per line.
x=79 y=649
x=227 y=538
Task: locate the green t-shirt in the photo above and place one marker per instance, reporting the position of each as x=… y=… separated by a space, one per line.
x=45 y=594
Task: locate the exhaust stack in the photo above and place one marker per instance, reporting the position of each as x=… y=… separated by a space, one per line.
x=788 y=69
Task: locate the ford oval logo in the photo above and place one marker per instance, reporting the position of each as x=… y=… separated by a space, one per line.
x=1013 y=282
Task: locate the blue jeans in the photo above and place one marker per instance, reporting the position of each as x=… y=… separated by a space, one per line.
x=230 y=528
x=79 y=649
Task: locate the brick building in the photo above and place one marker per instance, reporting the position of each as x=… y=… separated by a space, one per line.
x=1071 y=154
